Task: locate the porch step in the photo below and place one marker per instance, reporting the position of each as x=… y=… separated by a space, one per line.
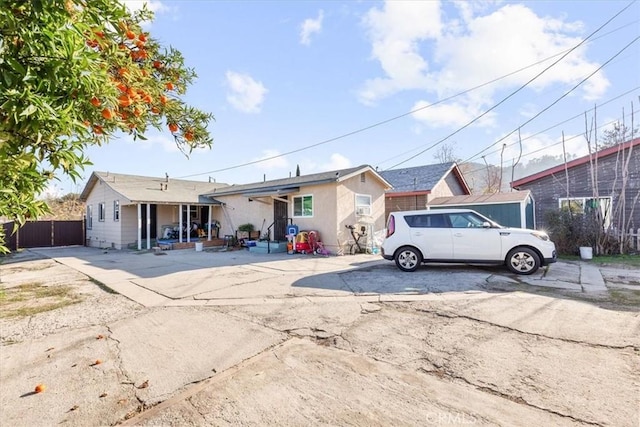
x=261 y=247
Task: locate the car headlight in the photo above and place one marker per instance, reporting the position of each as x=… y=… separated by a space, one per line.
x=540 y=235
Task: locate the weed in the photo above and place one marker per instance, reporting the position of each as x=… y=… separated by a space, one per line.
x=29 y=299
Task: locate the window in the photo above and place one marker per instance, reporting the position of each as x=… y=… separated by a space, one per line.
x=466 y=220
x=426 y=221
x=101 y=211
x=89 y=217
x=116 y=210
x=363 y=204
x=303 y=206
x=582 y=205
x=363 y=177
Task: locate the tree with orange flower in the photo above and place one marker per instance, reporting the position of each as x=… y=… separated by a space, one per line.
x=72 y=74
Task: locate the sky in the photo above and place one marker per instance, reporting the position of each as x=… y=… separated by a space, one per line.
x=333 y=84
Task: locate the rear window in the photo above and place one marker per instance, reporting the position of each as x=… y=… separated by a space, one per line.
x=426 y=221
x=391 y=225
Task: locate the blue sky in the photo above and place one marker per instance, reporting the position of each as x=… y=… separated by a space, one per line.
x=342 y=77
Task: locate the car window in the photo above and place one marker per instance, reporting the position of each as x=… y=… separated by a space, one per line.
x=426 y=221
x=465 y=220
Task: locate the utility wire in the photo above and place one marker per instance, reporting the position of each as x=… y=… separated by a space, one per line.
x=537 y=133
x=568 y=120
x=440 y=141
x=557 y=100
x=377 y=124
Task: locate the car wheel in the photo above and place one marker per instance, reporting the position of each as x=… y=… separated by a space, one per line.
x=523 y=261
x=408 y=258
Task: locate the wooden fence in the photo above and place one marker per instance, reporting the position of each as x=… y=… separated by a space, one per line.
x=38 y=234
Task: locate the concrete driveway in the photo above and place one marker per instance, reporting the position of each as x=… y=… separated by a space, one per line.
x=187 y=277
x=233 y=338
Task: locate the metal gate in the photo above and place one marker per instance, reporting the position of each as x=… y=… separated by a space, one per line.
x=38 y=234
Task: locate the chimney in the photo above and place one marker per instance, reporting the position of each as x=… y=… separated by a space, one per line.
x=166 y=177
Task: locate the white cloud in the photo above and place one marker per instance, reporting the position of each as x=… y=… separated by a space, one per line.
x=485 y=41
x=395 y=32
x=277 y=162
x=452 y=114
x=245 y=94
x=336 y=161
x=309 y=27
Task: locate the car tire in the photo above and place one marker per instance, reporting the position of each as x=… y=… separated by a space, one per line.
x=408 y=258
x=523 y=261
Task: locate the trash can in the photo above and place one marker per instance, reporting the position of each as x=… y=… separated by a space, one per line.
x=586 y=252
x=198 y=246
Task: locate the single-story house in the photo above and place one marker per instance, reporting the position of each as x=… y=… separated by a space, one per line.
x=325 y=202
x=414 y=187
x=511 y=209
x=136 y=211
x=572 y=185
x=129 y=210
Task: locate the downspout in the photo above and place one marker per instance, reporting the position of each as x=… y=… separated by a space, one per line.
x=148 y=226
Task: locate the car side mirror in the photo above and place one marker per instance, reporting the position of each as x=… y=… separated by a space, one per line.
x=486 y=224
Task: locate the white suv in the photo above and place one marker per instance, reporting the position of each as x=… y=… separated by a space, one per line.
x=463 y=236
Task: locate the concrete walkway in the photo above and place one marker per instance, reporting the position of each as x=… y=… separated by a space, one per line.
x=190 y=278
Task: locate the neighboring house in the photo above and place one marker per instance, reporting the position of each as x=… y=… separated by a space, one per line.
x=571 y=185
x=325 y=202
x=128 y=210
x=414 y=187
x=511 y=209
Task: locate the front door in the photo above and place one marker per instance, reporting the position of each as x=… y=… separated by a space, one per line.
x=280 y=219
x=154 y=232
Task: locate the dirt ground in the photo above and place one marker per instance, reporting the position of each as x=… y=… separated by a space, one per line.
x=465 y=358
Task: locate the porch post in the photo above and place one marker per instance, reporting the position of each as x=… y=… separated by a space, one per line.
x=209 y=227
x=180 y=220
x=139 y=226
x=188 y=223
x=148 y=226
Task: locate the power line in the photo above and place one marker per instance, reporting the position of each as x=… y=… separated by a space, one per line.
x=521 y=87
x=537 y=133
x=569 y=119
x=383 y=122
x=557 y=100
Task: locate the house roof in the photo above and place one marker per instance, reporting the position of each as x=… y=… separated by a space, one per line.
x=485 y=199
x=144 y=189
x=576 y=162
x=422 y=179
x=288 y=185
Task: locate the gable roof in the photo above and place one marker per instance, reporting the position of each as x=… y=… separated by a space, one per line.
x=144 y=189
x=576 y=162
x=485 y=199
x=422 y=179
x=289 y=185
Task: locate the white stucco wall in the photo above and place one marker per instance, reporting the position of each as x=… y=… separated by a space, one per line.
x=104 y=234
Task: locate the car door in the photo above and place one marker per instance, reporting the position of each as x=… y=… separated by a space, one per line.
x=431 y=234
x=472 y=240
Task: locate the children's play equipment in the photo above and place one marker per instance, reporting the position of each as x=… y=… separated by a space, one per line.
x=308 y=242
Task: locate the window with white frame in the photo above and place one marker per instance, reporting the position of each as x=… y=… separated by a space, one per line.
x=581 y=205
x=89 y=217
x=363 y=204
x=116 y=210
x=303 y=206
x=101 y=211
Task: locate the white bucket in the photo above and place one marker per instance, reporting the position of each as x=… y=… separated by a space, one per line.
x=586 y=252
x=199 y=247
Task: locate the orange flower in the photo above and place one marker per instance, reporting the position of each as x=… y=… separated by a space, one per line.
x=122 y=87
x=130 y=35
x=155 y=110
x=142 y=37
x=157 y=64
x=122 y=71
x=147 y=98
x=169 y=86
x=95 y=102
x=137 y=112
x=163 y=99
x=97 y=129
x=188 y=135
x=173 y=127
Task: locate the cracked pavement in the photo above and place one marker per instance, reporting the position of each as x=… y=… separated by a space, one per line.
x=365 y=345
